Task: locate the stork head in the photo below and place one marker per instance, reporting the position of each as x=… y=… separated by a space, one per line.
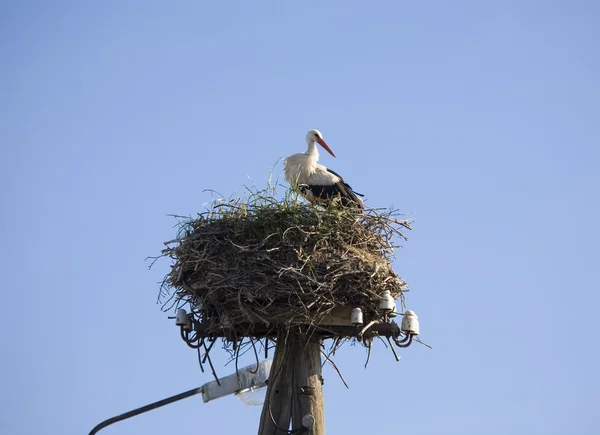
x=316 y=136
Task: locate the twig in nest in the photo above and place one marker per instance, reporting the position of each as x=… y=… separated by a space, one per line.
x=393 y=350
x=200 y=360
x=366 y=328
x=212 y=368
x=418 y=340
x=336 y=369
x=368 y=352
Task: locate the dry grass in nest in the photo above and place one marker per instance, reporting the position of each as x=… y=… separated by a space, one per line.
x=282 y=261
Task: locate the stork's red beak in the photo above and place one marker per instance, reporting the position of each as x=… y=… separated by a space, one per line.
x=324 y=145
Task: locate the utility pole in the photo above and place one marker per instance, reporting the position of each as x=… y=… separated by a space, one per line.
x=295 y=388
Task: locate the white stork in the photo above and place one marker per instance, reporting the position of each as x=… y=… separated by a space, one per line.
x=315 y=182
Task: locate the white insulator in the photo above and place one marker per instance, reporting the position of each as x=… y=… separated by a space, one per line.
x=410 y=323
x=356 y=318
x=387 y=301
x=393 y=313
x=181 y=317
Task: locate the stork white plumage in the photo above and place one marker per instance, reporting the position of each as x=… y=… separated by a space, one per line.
x=315 y=182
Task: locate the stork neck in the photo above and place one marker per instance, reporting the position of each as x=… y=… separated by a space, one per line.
x=312 y=151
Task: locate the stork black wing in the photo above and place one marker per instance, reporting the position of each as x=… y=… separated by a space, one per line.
x=343 y=182
x=347 y=195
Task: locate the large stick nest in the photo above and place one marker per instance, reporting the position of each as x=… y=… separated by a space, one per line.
x=283 y=261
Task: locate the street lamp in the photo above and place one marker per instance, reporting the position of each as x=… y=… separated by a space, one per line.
x=248 y=379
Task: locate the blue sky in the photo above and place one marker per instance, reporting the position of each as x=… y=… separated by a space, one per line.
x=478 y=119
